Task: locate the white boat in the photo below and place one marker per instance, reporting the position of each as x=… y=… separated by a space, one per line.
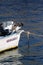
x=11 y=40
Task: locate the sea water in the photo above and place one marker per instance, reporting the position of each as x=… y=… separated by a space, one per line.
x=30 y=49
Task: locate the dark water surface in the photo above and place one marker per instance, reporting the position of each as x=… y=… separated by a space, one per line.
x=30 y=12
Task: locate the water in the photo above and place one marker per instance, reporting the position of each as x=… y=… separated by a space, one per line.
x=30 y=12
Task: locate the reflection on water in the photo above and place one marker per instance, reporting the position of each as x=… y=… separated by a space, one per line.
x=10 y=58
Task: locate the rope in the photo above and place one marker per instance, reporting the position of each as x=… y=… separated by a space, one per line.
x=27 y=32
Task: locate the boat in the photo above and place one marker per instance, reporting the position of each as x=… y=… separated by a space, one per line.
x=10 y=40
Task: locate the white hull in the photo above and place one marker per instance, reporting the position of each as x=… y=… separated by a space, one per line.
x=10 y=41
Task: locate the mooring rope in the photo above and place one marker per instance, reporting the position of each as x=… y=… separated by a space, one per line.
x=28 y=33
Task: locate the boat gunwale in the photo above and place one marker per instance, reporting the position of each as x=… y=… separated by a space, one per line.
x=14 y=33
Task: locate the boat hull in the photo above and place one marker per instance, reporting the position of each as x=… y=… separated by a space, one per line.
x=11 y=41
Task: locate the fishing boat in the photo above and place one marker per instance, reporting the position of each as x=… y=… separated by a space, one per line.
x=10 y=40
